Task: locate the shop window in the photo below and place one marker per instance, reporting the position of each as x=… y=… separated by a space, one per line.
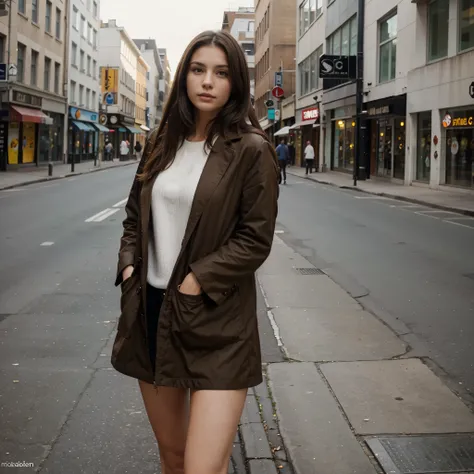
x=343 y=145
x=460 y=152
x=423 y=147
x=438 y=26
x=384 y=148
x=466 y=24
x=388 y=49
x=399 y=149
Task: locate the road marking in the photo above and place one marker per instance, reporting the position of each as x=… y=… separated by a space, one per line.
x=47 y=244
x=461 y=225
x=421 y=213
x=48 y=185
x=382 y=198
x=120 y=203
x=99 y=217
x=71 y=179
x=439 y=212
x=279 y=232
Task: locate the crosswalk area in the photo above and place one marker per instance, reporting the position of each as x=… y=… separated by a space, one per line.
x=106 y=213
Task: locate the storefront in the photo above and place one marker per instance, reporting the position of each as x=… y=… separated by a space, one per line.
x=307 y=128
x=82 y=135
x=459 y=146
x=386 y=120
x=343 y=127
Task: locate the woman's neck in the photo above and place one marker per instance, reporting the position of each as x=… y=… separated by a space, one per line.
x=202 y=126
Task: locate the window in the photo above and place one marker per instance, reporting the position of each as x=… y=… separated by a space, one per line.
x=2 y=48
x=94 y=100
x=88 y=98
x=308 y=72
x=95 y=10
x=388 y=49
x=57 y=70
x=81 y=95
x=74 y=54
x=89 y=33
x=94 y=68
x=423 y=156
x=83 y=27
x=75 y=18
x=319 y=8
x=72 y=93
x=20 y=75
x=21 y=6
x=466 y=24
x=34 y=11
x=88 y=65
x=82 y=63
x=49 y=9
x=312 y=11
x=438 y=23
x=345 y=39
x=58 y=23
x=304 y=16
x=353 y=26
x=249 y=48
x=47 y=73
x=94 y=38
x=34 y=67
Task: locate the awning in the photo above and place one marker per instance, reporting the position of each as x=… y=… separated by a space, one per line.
x=145 y=128
x=297 y=125
x=283 y=131
x=83 y=126
x=25 y=114
x=100 y=127
x=122 y=129
x=134 y=130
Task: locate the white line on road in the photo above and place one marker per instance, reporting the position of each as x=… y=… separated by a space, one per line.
x=460 y=225
x=120 y=203
x=94 y=217
x=110 y=212
x=422 y=213
x=47 y=244
x=439 y=212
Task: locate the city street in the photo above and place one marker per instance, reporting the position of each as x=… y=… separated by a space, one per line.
x=64 y=409
x=404 y=262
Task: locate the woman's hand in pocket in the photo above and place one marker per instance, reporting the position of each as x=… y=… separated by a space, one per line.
x=127 y=273
x=190 y=285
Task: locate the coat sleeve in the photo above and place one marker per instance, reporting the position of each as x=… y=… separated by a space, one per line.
x=252 y=240
x=128 y=242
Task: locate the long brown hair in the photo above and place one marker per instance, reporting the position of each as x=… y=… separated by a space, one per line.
x=178 y=121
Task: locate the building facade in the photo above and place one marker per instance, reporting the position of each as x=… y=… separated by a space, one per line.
x=165 y=83
x=275 y=40
x=149 y=51
x=118 y=61
x=85 y=138
x=34 y=105
x=241 y=25
x=140 y=101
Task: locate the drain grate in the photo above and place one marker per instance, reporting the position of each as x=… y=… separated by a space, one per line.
x=424 y=454
x=309 y=271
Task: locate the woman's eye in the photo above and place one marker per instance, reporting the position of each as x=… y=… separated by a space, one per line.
x=197 y=70
x=223 y=73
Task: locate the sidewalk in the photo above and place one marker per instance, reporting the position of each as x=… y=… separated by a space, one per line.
x=351 y=391
x=445 y=198
x=23 y=177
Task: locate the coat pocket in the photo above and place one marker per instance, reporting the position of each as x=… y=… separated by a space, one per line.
x=200 y=324
x=129 y=304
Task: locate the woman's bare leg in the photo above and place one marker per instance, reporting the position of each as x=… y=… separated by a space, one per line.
x=167 y=410
x=213 y=422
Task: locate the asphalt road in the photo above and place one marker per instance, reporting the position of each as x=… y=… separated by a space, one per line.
x=62 y=407
x=405 y=262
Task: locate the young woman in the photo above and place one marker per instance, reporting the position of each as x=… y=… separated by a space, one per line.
x=200 y=221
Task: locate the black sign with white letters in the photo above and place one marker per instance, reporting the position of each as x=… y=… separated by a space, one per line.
x=337 y=67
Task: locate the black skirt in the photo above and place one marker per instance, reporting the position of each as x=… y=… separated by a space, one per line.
x=154 y=300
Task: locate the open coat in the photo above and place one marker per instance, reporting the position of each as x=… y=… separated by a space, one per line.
x=209 y=341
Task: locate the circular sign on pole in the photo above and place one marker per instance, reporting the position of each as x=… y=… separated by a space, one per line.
x=109 y=98
x=277 y=92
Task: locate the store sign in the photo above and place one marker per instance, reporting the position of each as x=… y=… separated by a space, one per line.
x=109 y=85
x=337 y=67
x=310 y=114
x=83 y=115
x=384 y=110
x=27 y=99
x=465 y=121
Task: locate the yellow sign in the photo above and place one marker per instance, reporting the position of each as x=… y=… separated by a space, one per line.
x=13 y=142
x=450 y=121
x=109 y=83
x=28 y=143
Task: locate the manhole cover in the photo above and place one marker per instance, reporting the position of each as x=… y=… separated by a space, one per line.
x=424 y=454
x=309 y=271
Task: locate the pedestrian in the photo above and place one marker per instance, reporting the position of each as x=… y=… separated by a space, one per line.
x=123 y=150
x=200 y=221
x=108 y=151
x=283 y=154
x=309 y=157
x=138 y=150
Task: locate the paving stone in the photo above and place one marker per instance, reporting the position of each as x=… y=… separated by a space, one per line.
x=396 y=396
x=262 y=466
x=251 y=412
x=255 y=441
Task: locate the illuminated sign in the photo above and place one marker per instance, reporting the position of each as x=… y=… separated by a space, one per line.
x=310 y=114
x=109 y=84
x=466 y=121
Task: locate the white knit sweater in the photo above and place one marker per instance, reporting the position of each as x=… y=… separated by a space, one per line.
x=172 y=197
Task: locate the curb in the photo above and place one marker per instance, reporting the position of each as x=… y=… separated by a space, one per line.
x=68 y=175
x=465 y=212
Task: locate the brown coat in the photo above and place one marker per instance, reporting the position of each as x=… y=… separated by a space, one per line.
x=208 y=341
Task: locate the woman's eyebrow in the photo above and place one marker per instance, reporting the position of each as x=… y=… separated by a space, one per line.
x=197 y=63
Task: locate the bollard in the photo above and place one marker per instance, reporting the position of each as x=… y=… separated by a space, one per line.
x=95 y=161
x=50 y=169
x=72 y=163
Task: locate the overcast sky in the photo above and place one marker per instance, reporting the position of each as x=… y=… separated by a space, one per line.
x=172 y=23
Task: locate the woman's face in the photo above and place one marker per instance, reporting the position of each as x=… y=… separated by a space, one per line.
x=208 y=83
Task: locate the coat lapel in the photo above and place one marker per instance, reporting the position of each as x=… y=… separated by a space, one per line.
x=217 y=163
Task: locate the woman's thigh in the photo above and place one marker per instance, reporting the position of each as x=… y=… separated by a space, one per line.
x=167 y=410
x=213 y=422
